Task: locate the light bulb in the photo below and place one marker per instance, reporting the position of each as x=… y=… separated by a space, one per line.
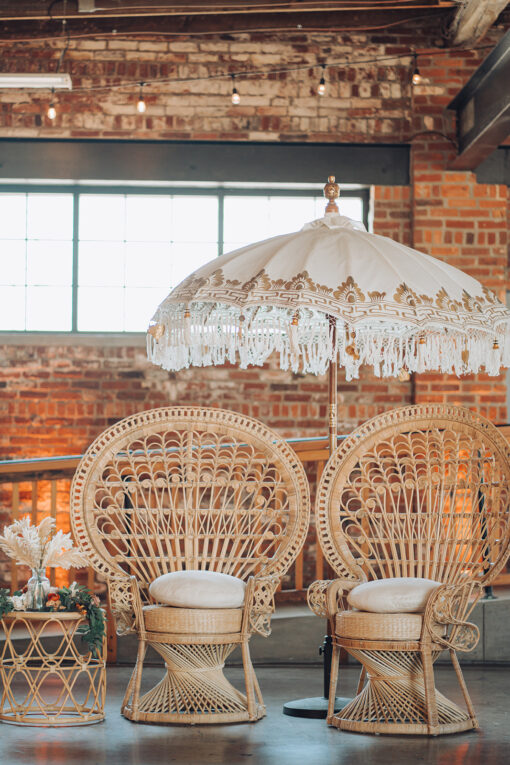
x=141 y=106
x=236 y=98
x=52 y=112
x=416 y=78
x=321 y=87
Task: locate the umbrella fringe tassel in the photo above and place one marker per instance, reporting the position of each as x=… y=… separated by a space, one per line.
x=204 y=334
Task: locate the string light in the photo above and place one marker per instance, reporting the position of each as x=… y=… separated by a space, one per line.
x=52 y=112
x=236 y=98
x=253 y=73
x=321 y=88
x=417 y=78
x=141 y=106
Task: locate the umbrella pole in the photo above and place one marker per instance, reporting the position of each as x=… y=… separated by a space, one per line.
x=327 y=647
x=317 y=707
x=332 y=392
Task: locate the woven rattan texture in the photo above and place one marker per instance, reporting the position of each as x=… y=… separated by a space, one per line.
x=191 y=488
x=359 y=624
x=192 y=620
x=421 y=491
x=50 y=688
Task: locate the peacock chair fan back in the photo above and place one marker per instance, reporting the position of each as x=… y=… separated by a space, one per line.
x=420 y=491
x=189 y=488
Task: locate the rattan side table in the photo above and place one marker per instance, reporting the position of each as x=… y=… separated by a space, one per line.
x=66 y=687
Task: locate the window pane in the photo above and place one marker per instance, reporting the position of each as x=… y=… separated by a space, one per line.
x=352 y=207
x=160 y=240
x=50 y=216
x=12 y=261
x=132 y=250
x=194 y=219
x=49 y=263
x=288 y=214
x=100 y=309
x=188 y=257
x=140 y=306
x=148 y=218
x=252 y=219
x=13 y=216
x=12 y=308
x=101 y=264
x=245 y=219
x=48 y=309
x=148 y=264
x=102 y=216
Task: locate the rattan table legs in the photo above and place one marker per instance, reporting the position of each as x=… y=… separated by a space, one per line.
x=49 y=688
x=194 y=688
x=400 y=697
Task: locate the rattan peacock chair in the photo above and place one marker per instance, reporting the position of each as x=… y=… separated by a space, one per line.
x=421 y=491
x=190 y=488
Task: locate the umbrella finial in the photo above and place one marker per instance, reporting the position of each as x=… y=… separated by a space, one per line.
x=331 y=192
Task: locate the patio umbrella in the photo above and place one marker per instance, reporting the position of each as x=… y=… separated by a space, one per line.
x=331 y=295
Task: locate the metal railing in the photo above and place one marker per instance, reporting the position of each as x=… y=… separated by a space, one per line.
x=41 y=486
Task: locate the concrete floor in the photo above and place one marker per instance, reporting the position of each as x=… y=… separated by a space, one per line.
x=275 y=740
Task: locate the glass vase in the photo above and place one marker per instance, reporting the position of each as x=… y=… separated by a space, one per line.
x=38 y=587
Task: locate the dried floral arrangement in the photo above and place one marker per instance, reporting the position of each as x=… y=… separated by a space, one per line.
x=40 y=546
x=73 y=598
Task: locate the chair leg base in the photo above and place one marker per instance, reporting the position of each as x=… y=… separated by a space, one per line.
x=194 y=689
x=397 y=700
x=202 y=718
x=410 y=729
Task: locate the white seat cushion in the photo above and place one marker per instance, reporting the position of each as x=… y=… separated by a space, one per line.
x=198 y=589
x=392 y=596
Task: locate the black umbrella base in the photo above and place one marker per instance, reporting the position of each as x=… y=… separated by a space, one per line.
x=316 y=707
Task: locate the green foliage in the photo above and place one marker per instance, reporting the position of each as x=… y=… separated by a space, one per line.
x=73 y=598
x=79 y=598
x=6 y=605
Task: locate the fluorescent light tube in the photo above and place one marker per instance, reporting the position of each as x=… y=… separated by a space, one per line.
x=48 y=81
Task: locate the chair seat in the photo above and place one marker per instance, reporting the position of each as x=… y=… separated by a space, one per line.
x=365 y=625
x=216 y=621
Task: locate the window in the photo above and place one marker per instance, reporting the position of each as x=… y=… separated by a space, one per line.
x=133 y=249
x=98 y=259
x=36 y=273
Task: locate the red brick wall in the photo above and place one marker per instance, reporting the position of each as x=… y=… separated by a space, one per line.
x=457 y=220
x=55 y=399
x=58 y=399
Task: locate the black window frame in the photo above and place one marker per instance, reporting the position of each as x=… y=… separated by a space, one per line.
x=77 y=190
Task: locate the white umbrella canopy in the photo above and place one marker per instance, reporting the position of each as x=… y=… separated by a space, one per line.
x=332 y=291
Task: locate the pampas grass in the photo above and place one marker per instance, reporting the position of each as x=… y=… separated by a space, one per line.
x=39 y=547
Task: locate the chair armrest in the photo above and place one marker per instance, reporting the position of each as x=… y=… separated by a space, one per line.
x=323 y=596
x=259 y=604
x=445 y=619
x=126 y=604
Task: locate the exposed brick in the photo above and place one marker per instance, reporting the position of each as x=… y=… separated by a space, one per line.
x=59 y=399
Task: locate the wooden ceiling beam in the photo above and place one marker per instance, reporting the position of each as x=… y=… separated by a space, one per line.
x=474 y=19
x=36 y=11
x=298 y=22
